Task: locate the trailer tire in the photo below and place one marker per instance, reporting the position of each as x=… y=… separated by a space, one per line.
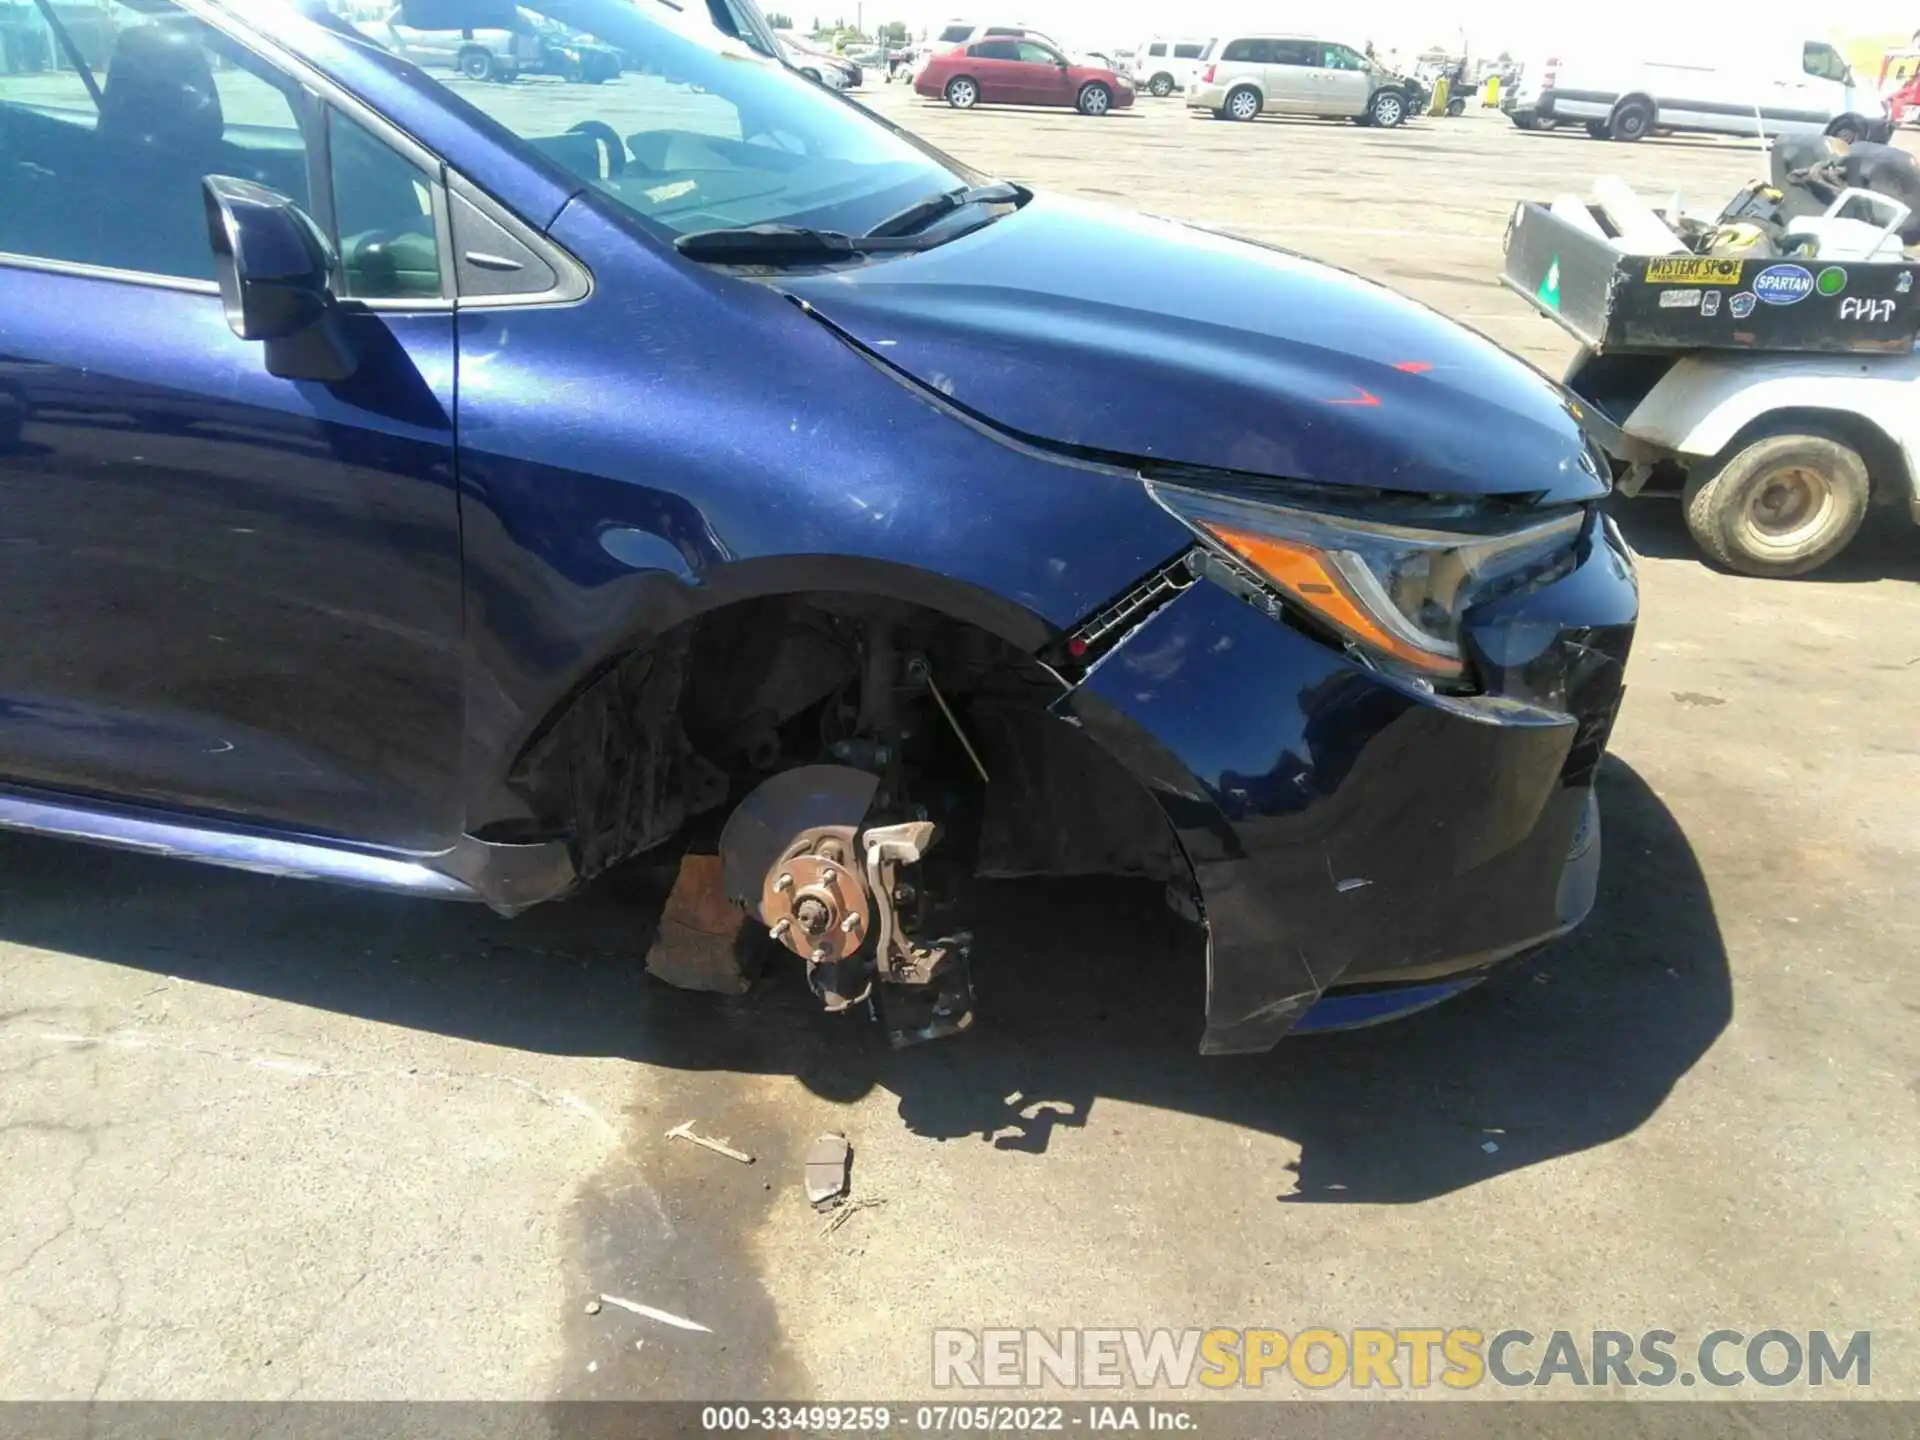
x=1782 y=505
x=1599 y=130
x=1632 y=118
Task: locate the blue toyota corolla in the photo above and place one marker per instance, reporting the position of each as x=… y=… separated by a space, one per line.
x=454 y=487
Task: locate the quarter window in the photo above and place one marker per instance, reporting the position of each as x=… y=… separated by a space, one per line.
x=1158 y=48
x=1187 y=52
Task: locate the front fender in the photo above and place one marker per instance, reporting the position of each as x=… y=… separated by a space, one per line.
x=1702 y=403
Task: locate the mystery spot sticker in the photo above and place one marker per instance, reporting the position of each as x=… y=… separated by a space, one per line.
x=1692 y=270
x=1783 y=284
x=1679 y=299
x=1741 y=305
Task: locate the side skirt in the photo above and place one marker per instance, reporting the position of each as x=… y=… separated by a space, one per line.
x=509 y=878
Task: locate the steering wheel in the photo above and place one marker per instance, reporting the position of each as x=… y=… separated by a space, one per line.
x=374 y=262
x=609 y=141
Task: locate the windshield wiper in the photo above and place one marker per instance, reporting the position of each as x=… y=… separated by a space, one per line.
x=922 y=213
x=794 y=244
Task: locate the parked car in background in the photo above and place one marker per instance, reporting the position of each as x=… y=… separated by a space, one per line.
x=817 y=64
x=576 y=57
x=1163 y=65
x=477 y=52
x=965 y=32
x=1258 y=75
x=1020 y=72
x=1742 y=84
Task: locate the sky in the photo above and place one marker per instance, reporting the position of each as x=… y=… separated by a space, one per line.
x=1490 y=25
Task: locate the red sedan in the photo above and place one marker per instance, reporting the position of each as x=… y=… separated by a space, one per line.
x=1020 y=72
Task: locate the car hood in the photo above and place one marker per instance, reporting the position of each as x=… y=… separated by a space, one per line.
x=1080 y=326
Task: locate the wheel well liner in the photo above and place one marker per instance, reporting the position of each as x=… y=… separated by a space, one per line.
x=672 y=728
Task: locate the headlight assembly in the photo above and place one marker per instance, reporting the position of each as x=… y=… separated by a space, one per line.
x=1395 y=592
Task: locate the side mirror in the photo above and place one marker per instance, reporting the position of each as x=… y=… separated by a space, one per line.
x=275 y=270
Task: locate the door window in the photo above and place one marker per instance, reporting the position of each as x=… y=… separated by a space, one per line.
x=995 y=50
x=1188 y=52
x=1825 y=62
x=1295 y=52
x=1039 y=54
x=1157 y=49
x=1341 y=57
x=1248 y=52
x=107 y=146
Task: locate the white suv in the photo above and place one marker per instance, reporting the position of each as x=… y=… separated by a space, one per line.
x=1163 y=65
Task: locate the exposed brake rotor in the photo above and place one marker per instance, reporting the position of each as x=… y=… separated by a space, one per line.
x=788 y=856
x=794 y=854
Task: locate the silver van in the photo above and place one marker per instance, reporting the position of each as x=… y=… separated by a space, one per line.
x=1254 y=75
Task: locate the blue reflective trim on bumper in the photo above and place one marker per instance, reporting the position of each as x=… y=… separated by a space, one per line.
x=1374 y=1007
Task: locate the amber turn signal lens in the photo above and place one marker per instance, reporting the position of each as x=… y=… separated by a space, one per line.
x=1305 y=574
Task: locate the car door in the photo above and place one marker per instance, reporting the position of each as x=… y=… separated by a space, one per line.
x=1290 y=87
x=1819 y=92
x=228 y=592
x=996 y=66
x=1342 y=84
x=1044 y=78
x=1245 y=60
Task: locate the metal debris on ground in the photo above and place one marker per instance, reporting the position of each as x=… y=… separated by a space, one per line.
x=846 y=1212
x=685 y=1131
x=647 y=1312
x=829 y=1170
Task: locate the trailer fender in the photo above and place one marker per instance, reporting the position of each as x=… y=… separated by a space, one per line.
x=1699 y=406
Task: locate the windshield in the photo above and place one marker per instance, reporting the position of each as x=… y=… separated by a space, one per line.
x=682 y=126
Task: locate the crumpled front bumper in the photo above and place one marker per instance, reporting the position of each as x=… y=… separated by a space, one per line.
x=1345 y=828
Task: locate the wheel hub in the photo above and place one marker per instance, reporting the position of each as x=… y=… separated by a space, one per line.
x=814 y=902
x=1787 y=503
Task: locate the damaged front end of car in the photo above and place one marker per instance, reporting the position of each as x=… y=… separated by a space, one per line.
x=1354 y=735
x=1374 y=724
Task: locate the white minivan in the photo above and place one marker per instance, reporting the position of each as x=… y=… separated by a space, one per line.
x=1165 y=64
x=1747 y=86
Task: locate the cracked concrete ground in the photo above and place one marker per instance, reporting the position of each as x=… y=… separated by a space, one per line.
x=268 y=1140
